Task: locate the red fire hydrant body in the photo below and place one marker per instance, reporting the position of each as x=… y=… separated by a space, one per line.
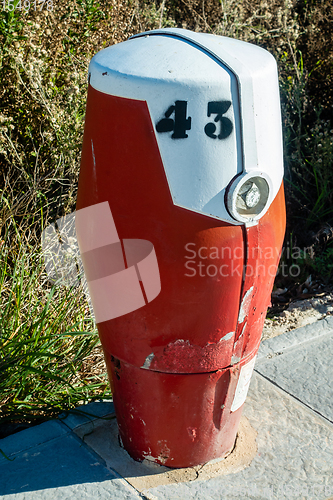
x=180 y=363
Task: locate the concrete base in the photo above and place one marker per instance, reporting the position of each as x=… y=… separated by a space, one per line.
x=143 y=476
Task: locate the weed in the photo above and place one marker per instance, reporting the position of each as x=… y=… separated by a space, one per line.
x=45 y=337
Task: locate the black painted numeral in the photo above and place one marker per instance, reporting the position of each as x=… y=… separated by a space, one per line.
x=179 y=124
x=218 y=108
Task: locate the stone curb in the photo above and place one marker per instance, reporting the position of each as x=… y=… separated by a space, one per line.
x=294 y=338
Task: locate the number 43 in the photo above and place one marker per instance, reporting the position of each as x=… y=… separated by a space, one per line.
x=180 y=123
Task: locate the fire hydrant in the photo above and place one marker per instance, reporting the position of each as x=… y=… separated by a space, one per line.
x=180 y=222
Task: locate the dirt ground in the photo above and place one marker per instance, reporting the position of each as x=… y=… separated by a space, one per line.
x=299 y=313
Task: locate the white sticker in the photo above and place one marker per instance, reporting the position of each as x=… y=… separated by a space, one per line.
x=243 y=384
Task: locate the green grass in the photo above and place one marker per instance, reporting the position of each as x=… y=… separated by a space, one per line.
x=45 y=337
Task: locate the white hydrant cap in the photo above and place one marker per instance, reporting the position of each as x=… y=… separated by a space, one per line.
x=215 y=107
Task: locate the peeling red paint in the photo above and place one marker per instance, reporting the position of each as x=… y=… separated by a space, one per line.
x=245 y=305
x=183 y=357
x=192 y=431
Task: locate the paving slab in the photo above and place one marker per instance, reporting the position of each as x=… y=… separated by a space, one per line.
x=301 y=363
x=50 y=462
x=295 y=338
x=87 y=414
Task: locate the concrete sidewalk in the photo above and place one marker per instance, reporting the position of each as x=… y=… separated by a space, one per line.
x=289 y=410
